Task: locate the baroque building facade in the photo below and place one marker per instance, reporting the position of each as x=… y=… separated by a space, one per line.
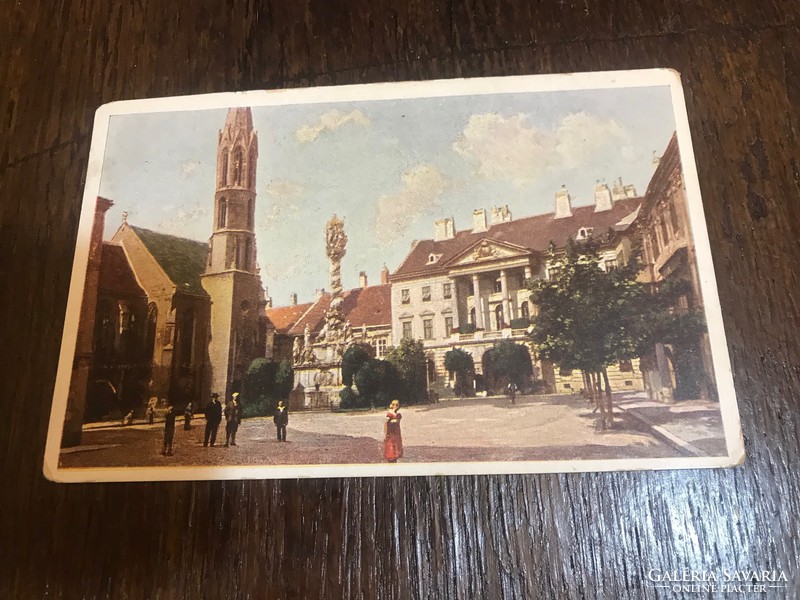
x=673 y=371
x=466 y=289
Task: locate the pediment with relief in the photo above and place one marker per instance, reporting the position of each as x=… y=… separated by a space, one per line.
x=486 y=250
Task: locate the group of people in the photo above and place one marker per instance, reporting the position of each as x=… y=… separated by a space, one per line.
x=392 y=440
x=213 y=413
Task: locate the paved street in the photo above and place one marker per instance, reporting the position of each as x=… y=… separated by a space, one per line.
x=473 y=429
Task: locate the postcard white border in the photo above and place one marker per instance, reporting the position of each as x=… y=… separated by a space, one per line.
x=395 y=91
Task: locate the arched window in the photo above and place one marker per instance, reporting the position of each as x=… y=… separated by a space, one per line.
x=150 y=333
x=237 y=255
x=472 y=315
x=250 y=213
x=525 y=311
x=498 y=316
x=223 y=174
x=222 y=217
x=251 y=170
x=238 y=160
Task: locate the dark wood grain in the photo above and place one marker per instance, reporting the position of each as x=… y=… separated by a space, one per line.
x=586 y=535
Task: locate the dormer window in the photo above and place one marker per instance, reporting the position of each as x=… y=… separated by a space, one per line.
x=585 y=232
x=433 y=258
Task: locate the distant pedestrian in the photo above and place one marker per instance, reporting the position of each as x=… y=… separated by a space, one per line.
x=169 y=431
x=151 y=413
x=393 y=440
x=187 y=417
x=233 y=416
x=213 y=415
x=511 y=391
x=281 y=420
x=128 y=419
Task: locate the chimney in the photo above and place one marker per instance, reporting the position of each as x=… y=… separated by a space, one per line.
x=563 y=203
x=618 y=190
x=362 y=279
x=479 y=220
x=267 y=298
x=384 y=275
x=630 y=191
x=602 y=197
x=319 y=293
x=444 y=229
x=500 y=214
x=293 y=299
x=656 y=160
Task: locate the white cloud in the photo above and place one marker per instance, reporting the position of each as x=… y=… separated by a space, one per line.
x=515 y=150
x=422 y=188
x=284 y=189
x=183 y=221
x=188 y=168
x=330 y=121
x=281 y=192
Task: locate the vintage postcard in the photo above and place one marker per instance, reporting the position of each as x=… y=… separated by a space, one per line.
x=501 y=275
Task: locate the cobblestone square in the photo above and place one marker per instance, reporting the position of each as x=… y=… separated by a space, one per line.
x=472 y=429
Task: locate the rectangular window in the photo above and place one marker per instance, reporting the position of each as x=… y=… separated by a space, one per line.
x=611 y=264
x=447 y=290
x=381 y=347
x=625 y=366
x=426 y=293
x=427 y=329
x=448 y=326
x=405 y=296
x=407 y=335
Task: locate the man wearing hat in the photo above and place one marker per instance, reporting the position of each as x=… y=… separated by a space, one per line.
x=233 y=416
x=213 y=418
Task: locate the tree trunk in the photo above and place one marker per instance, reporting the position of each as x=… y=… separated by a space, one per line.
x=608 y=404
x=587 y=391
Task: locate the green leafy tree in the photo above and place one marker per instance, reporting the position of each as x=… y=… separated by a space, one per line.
x=589 y=318
x=411 y=363
x=512 y=361
x=377 y=382
x=355 y=356
x=461 y=363
x=265 y=382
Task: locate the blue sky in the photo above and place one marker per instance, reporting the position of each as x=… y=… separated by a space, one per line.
x=390 y=168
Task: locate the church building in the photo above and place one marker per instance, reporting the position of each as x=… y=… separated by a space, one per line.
x=172 y=317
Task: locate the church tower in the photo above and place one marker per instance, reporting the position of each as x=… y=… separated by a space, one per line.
x=231 y=277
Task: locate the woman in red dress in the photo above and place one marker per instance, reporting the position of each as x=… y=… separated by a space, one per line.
x=393 y=441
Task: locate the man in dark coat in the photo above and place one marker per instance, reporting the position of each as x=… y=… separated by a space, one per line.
x=233 y=416
x=169 y=431
x=281 y=420
x=213 y=419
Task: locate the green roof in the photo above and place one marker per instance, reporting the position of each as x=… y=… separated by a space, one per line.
x=183 y=260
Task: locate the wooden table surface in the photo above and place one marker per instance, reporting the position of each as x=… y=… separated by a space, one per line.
x=580 y=535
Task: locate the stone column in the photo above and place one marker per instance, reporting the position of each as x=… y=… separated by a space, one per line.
x=476 y=290
x=506 y=303
x=454 y=300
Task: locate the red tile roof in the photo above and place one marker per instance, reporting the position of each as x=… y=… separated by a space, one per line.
x=370 y=306
x=283 y=317
x=534 y=233
x=116 y=275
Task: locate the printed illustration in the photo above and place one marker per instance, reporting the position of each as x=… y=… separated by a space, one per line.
x=504 y=277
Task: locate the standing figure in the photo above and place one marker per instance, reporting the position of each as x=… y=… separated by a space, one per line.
x=281 y=420
x=233 y=416
x=393 y=440
x=169 y=431
x=187 y=417
x=151 y=409
x=511 y=391
x=213 y=418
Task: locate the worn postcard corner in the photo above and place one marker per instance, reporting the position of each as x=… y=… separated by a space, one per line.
x=503 y=275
